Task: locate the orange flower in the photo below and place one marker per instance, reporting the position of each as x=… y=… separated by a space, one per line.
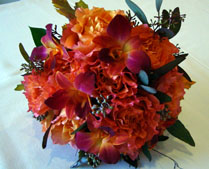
x=120 y=49
x=160 y=50
x=62 y=128
x=121 y=86
x=173 y=85
x=47 y=121
x=139 y=122
x=69 y=38
x=88 y=24
x=38 y=87
x=99 y=143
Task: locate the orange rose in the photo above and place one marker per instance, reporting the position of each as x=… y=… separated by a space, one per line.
x=160 y=50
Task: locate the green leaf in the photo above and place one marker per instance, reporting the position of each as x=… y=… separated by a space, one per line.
x=164 y=32
x=24 y=53
x=80 y=162
x=163 y=138
x=168 y=67
x=45 y=138
x=158 y=4
x=138 y=12
x=81 y=154
x=184 y=74
x=37 y=34
x=176 y=21
x=131 y=162
x=81 y=4
x=148 y=89
x=64 y=8
x=143 y=77
x=146 y=152
x=165 y=19
x=162 y=97
x=19 y=87
x=84 y=125
x=179 y=131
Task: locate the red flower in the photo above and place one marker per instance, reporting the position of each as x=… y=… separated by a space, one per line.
x=38 y=87
x=120 y=49
x=98 y=143
x=72 y=97
x=159 y=50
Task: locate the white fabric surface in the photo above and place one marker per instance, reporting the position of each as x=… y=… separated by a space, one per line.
x=20 y=134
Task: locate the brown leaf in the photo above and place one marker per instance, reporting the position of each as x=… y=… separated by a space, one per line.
x=64 y=8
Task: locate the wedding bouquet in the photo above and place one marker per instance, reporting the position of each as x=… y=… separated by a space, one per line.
x=110 y=84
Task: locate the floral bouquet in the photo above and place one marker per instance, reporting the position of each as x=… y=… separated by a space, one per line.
x=110 y=84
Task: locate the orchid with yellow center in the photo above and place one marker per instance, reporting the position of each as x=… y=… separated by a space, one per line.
x=98 y=143
x=73 y=97
x=101 y=140
x=49 y=50
x=120 y=49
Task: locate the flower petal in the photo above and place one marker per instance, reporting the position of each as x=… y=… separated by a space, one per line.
x=137 y=60
x=59 y=136
x=70 y=109
x=85 y=82
x=82 y=111
x=121 y=139
x=65 y=53
x=132 y=44
x=69 y=38
x=47 y=39
x=108 y=130
x=63 y=81
x=50 y=63
x=39 y=53
x=87 y=142
x=104 y=55
x=116 y=67
x=106 y=41
x=119 y=28
x=93 y=123
x=58 y=100
x=108 y=153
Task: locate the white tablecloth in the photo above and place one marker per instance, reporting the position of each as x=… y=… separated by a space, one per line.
x=20 y=134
